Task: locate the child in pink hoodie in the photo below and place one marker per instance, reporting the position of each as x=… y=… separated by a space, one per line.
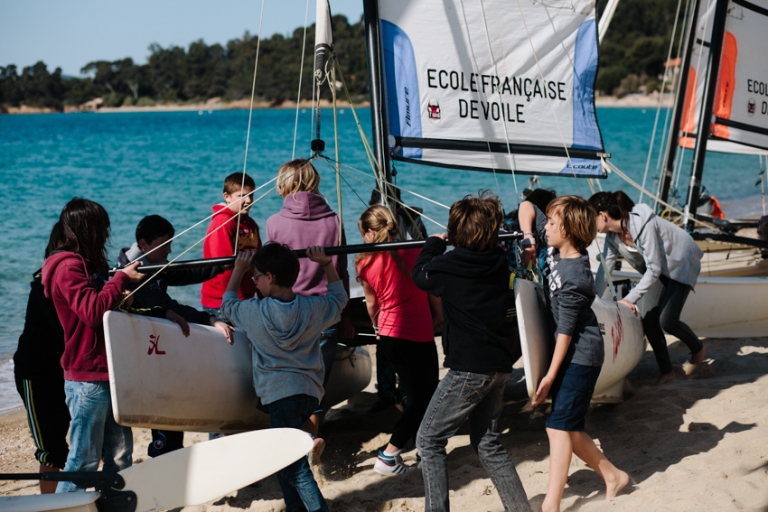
x=73 y=277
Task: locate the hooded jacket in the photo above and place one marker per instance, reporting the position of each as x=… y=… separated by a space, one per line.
x=80 y=307
x=153 y=294
x=665 y=249
x=41 y=343
x=474 y=288
x=306 y=220
x=284 y=338
x=221 y=243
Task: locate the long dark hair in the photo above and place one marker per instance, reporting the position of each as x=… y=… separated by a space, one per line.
x=617 y=205
x=83 y=228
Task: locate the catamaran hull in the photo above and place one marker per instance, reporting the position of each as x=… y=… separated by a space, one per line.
x=163 y=380
x=723 y=307
x=622 y=334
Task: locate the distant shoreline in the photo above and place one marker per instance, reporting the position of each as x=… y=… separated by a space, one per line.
x=94 y=106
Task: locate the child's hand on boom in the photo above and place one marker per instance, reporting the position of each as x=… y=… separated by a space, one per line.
x=133 y=275
x=243 y=261
x=317 y=254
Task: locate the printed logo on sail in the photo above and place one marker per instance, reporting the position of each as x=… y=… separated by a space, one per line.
x=751 y=107
x=433 y=110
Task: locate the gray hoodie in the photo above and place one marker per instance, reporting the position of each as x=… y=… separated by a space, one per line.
x=665 y=249
x=284 y=337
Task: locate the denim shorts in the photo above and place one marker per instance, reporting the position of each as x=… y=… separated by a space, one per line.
x=571 y=393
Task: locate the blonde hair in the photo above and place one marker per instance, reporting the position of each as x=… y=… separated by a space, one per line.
x=578 y=217
x=474 y=222
x=297 y=176
x=380 y=220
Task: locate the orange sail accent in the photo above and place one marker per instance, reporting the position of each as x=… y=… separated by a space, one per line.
x=717 y=211
x=688 y=123
x=726 y=83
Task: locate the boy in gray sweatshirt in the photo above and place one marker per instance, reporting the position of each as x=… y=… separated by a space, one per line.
x=287 y=363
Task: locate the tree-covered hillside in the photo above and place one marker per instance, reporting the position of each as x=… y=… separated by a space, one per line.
x=632 y=54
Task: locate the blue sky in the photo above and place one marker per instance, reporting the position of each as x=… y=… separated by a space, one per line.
x=69 y=34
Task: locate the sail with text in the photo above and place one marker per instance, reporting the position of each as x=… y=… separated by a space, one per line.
x=493 y=85
x=740 y=110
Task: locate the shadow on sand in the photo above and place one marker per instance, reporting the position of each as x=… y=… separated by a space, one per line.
x=644 y=435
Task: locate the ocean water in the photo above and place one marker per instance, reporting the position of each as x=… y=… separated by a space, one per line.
x=173 y=164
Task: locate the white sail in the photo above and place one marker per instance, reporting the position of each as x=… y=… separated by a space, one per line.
x=493 y=85
x=740 y=109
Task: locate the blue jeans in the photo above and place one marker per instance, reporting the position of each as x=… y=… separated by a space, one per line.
x=93 y=432
x=329 y=343
x=300 y=491
x=478 y=398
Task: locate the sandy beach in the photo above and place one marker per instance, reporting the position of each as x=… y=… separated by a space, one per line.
x=699 y=444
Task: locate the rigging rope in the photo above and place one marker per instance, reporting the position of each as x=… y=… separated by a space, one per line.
x=658 y=107
x=551 y=105
x=476 y=69
x=250 y=117
x=185 y=251
x=301 y=74
x=629 y=180
x=399 y=202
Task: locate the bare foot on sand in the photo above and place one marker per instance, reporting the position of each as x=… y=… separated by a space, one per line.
x=699 y=356
x=550 y=507
x=614 y=488
x=666 y=377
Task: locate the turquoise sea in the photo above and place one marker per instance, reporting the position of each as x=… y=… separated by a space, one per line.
x=173 y=164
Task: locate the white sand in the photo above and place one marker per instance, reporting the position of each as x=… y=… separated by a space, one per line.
x=689 y=445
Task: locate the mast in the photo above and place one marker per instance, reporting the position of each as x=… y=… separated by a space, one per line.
x=378 y=98
x=705 y=121
x=674 y=134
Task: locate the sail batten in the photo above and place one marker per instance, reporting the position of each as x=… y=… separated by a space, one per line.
x=527 y=104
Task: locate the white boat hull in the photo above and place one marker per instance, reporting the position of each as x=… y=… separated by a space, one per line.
x=622 y=334
x=161 y=379
x=723 y=307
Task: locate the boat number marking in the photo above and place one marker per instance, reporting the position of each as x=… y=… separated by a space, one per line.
x=153 y=341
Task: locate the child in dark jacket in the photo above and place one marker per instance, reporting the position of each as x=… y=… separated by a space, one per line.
x=568 y=228
x=473 y=282
x=152 y=247
x=39 y=377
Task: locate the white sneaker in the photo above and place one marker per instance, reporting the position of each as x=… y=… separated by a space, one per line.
x=390 y=464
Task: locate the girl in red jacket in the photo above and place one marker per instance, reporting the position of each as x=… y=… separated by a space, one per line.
x=73 y=277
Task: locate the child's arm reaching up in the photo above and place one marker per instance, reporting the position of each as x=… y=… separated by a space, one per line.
x=242 y=265
x=317 y=254
x=336 y=298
